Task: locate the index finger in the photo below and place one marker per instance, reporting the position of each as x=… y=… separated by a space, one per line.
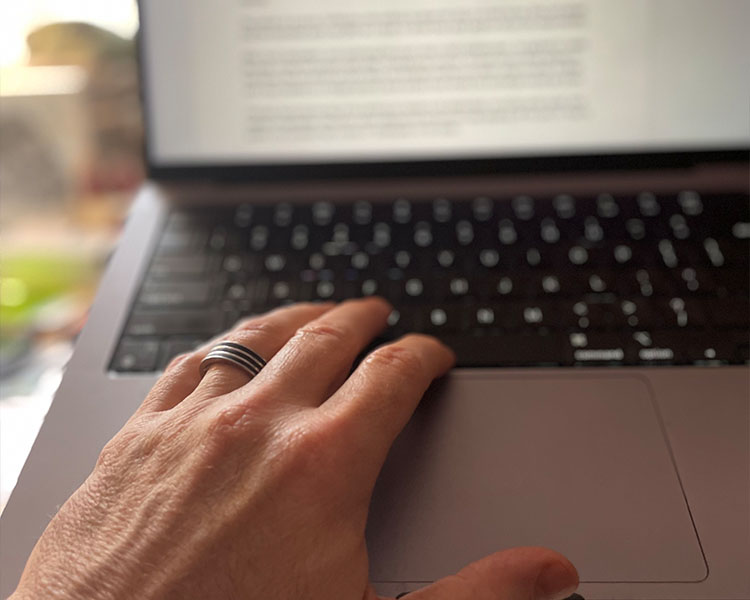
x=380 y=396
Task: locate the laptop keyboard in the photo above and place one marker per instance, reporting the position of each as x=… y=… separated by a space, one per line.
x=519 y=282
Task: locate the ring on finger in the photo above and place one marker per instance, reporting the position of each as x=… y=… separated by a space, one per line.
x=233 y=354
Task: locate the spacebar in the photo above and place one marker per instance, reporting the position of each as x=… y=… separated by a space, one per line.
x=507 y=349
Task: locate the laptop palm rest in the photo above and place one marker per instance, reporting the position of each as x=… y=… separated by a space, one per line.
x=577 y=464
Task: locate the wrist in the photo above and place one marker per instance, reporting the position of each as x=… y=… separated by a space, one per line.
x=56 y=584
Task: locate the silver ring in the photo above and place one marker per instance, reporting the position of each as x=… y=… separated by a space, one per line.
x=233 y=354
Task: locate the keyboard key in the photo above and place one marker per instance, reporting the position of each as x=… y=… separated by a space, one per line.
x=550 y=284
x=407 y=319
x=489 y=257
x=325 y=290
x=438 y=318
x=362 y=213
x=593 y=231
x=176 y=267
x=690 y=202
x=682 y=313
x=458 y=286
x=694 y=281
x=578 y=255
x=523 y=207
x=714 y=252
x=136 y=355
x=602 y=349
x=281 y=290
x=741 y=230
x=464 y=233
x=507 y=232
x=645 y=282
x=176 y=295
x=175 y=346
x=504 y=286
x=549 y=231
x=422 y=234
x=532 y=315
x=182 y=241
x=482 y=209
x=636 y=229
x=565 y=206
x=369 y=287
x=402 y=211
x=442 y=210
x=243 y=215
x=322 y=213
x=648 y=205
x=606 y=206
x=485 y=316
x=414 y=287
x=443 y=319
x=176 y=322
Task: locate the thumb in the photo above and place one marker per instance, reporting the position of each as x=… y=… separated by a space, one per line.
x=516 y=574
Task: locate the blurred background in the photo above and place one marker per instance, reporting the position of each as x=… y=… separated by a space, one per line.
x=70 y=160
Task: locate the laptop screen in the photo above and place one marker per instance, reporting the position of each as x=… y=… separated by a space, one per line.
x=334 y=81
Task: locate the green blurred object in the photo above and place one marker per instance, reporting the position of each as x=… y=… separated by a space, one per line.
x=30 y=280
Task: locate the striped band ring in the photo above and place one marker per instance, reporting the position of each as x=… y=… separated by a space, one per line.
x=236 y=355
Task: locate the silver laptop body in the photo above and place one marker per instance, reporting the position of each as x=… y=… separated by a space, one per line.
x=638 y=473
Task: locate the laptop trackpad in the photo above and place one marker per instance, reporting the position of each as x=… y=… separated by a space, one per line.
x=576 y=464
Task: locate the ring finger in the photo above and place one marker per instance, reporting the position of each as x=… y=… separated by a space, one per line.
x=265 y=335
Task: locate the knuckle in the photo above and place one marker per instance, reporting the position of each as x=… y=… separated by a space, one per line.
x=170 y=381
x=119 y=448
x=308 y=450
x=109 y=454
x=325 y=332
x=395 y=357
x=229 y=419
x=143 y=438
x=254 y=327
x=312 y=440
x=235 y=423
x=178 y=360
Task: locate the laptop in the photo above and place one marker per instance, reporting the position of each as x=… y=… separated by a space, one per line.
x=559 y=190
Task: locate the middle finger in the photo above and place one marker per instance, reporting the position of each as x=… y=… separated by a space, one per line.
x=315 y=362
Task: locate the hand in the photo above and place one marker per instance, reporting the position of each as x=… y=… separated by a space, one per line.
x=224 y=488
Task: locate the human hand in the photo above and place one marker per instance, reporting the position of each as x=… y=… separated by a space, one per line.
x=224 y=488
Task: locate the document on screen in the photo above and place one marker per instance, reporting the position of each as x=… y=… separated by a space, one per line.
x=335 y=80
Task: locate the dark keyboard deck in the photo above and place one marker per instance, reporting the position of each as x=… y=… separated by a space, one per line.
x=638 y=280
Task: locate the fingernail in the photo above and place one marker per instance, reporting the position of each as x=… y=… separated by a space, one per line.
x=556 y=581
